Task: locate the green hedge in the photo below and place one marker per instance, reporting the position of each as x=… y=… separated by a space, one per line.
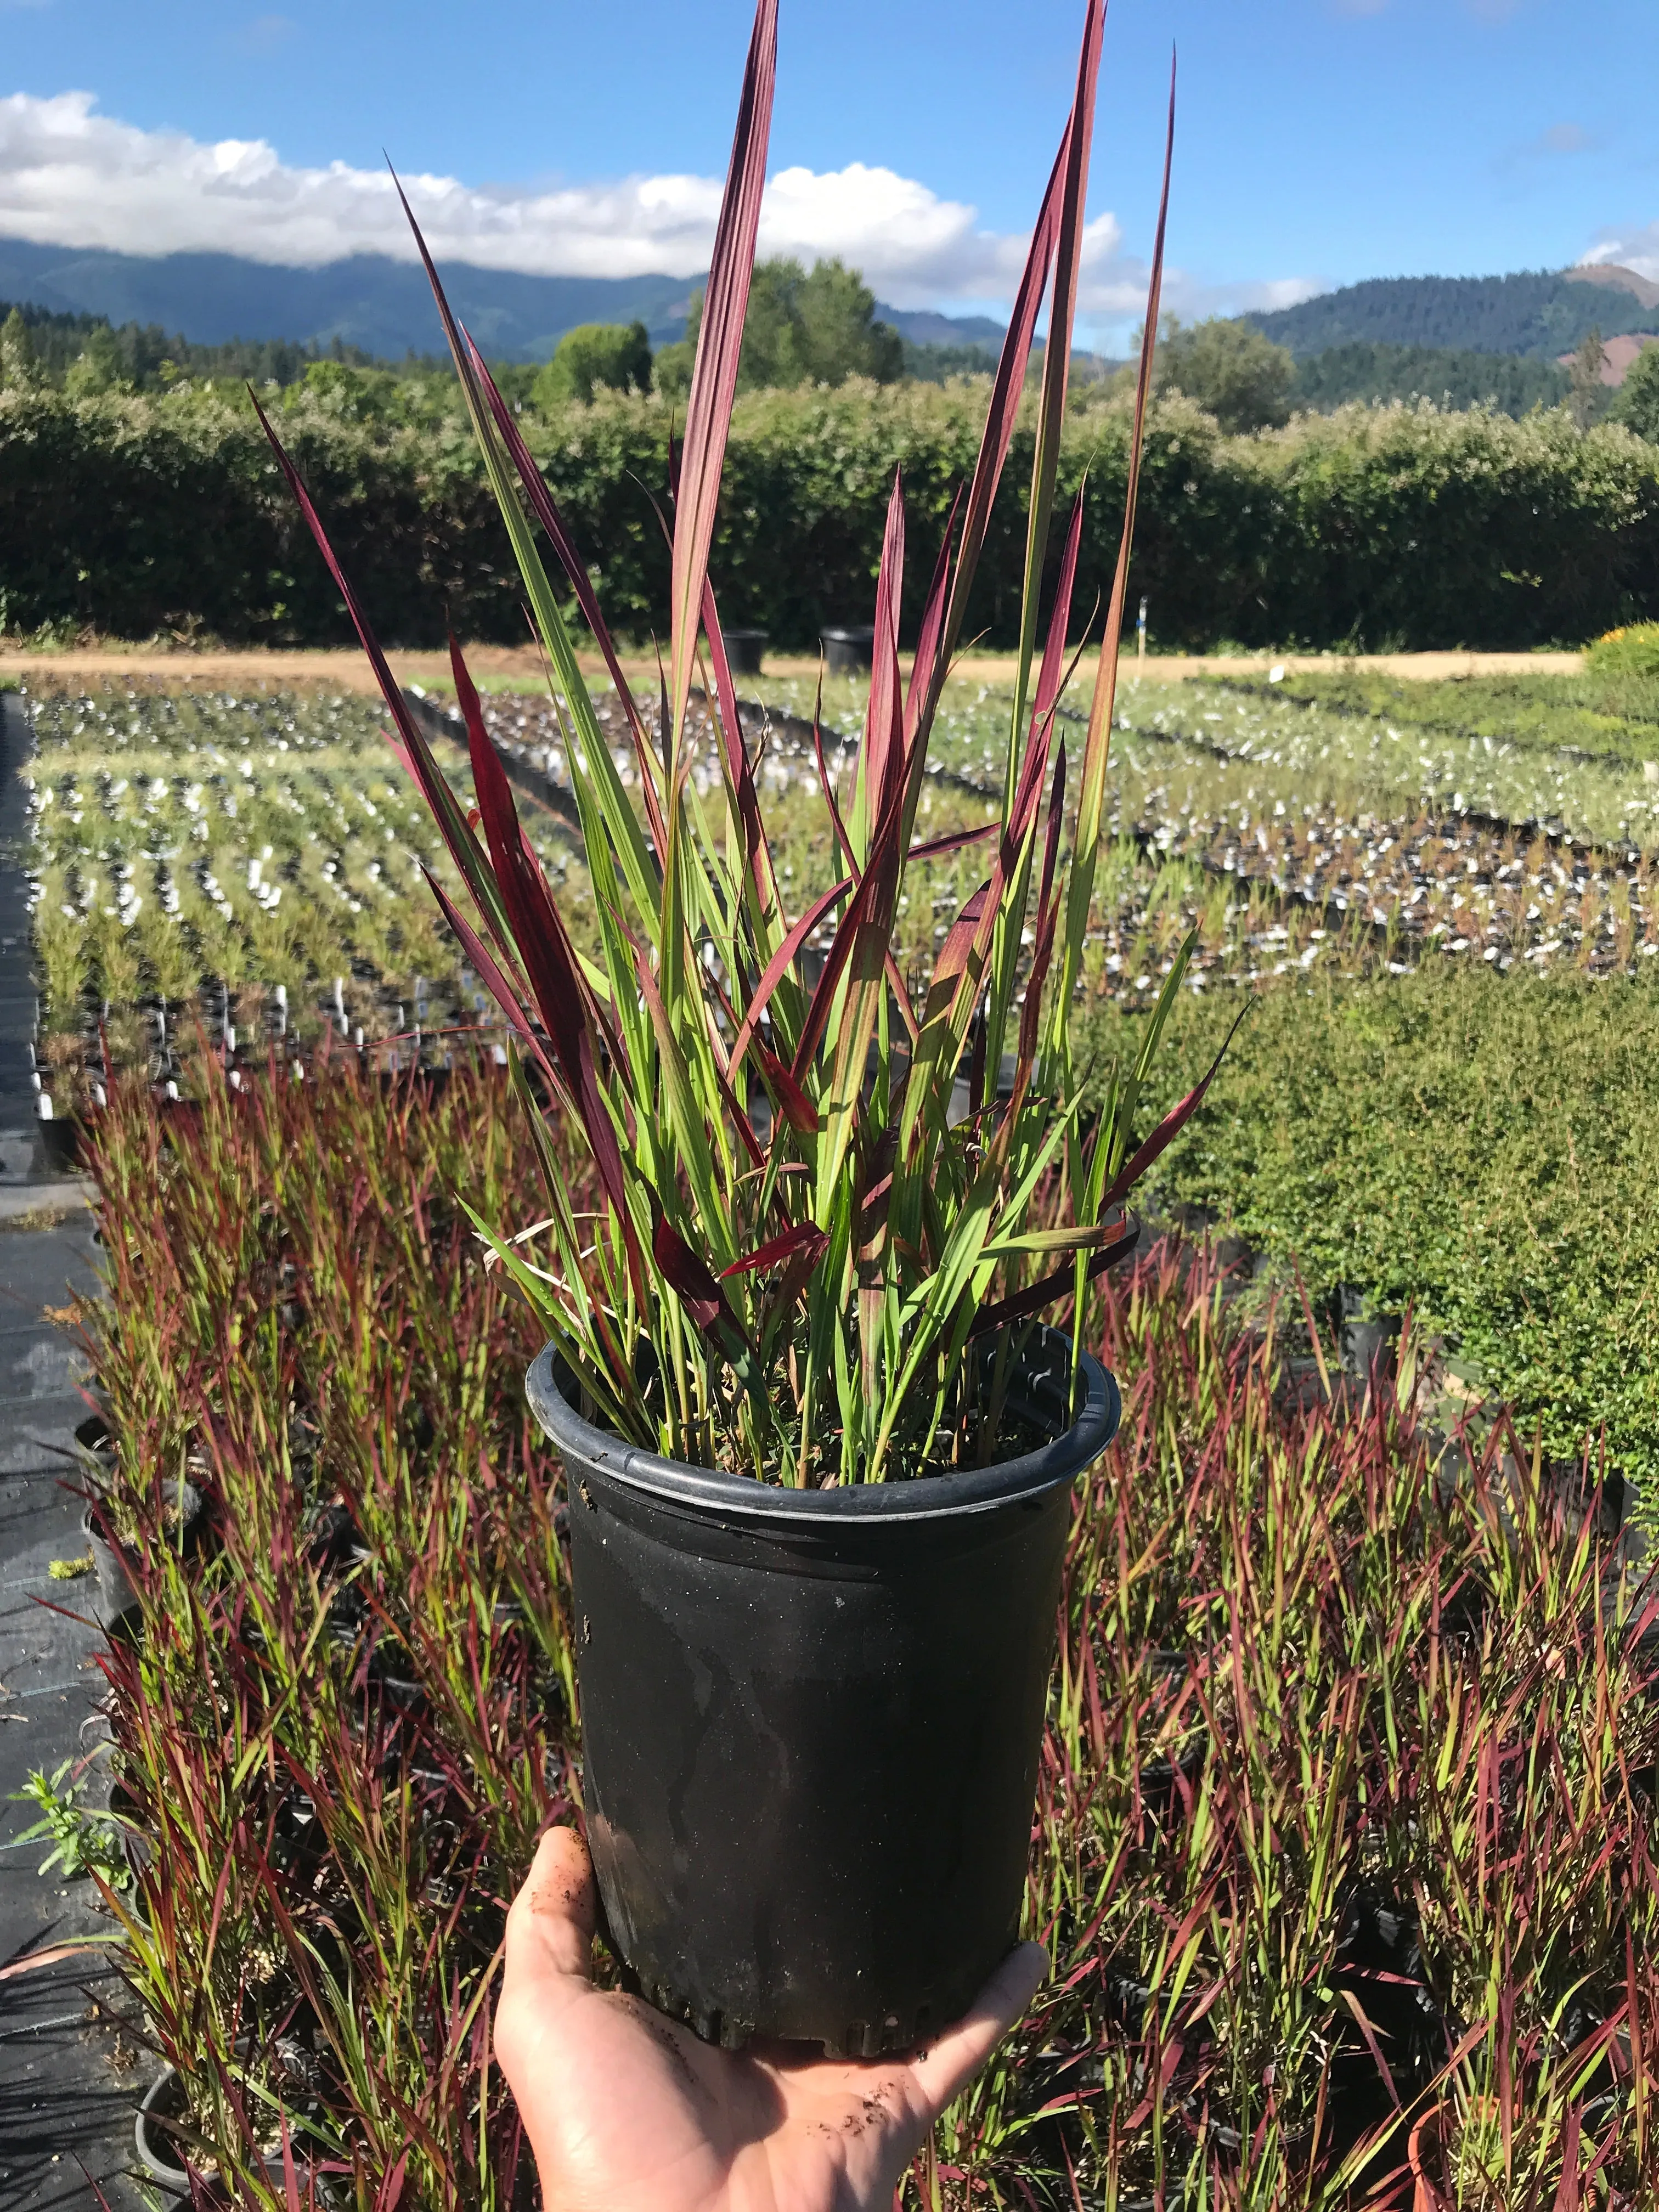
x=1486 y=1148
x=1373 y=527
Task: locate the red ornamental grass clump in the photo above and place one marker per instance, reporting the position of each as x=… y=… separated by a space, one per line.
x=1344 y=1849
x=348 y=1708
x=809 y=1304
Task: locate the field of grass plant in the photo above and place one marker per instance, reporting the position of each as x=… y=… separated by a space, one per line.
x=1346 y=847
x=1344 y=1851
x=194 y=852
x=251 y=863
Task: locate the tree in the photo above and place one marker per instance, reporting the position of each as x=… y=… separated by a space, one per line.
x=1590 y=394
x=672 y=365
x=18 y=366
x=97 y=367
x=1637 y=401
x=802 y=328
x=594 y=357
x=1229 y=369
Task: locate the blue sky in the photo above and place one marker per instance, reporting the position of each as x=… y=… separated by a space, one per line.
x=1319 y=141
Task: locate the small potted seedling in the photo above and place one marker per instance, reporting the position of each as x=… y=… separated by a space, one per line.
x=818 y=1433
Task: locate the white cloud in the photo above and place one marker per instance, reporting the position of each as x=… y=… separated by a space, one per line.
x=71 y=177
x=1630 y=249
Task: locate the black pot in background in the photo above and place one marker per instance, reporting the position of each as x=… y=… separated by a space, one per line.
x=160 y=2154
x=743 y=648
x=118 y=1598
x=1369 y=1340
x=847 y=651
x=811 y=1720
x=60 y=1144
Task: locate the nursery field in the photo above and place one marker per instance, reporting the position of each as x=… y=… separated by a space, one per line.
x=252 y=861
x=1344 y=1848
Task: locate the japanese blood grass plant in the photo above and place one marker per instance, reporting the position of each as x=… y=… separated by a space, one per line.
x=809 y=1306
x=1387 y=1705
x=1386 y=1696
x=341 y=1723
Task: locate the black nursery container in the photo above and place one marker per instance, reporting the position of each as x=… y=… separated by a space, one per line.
x=811 y=1719
x=847 y=651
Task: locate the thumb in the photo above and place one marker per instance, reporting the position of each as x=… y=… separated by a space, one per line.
x=942 y=2072
x=550 y=1929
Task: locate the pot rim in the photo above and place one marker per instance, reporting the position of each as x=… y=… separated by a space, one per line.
x=745 y=1496
x=173 y=2177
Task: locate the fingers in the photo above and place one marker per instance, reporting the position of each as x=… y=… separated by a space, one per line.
x=944 y=2070
x=549 y=1929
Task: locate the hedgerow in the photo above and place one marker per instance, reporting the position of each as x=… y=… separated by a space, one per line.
x=1375 y=526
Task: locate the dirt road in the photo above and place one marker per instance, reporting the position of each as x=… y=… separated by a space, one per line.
x=347 y=670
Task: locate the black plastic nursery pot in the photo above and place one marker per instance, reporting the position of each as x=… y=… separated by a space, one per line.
x=118 y=1607
x=847 y=651
x=743 y=650
x=811 y=1719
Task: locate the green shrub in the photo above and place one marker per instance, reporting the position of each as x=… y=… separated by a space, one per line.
x=1633 y=652
x=1242 y=378
x=1373 y=526
x=595 y=357
x=1484 y=1148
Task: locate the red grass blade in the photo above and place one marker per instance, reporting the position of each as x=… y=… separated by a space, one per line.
x=495 y=982
x=953 y=954
x=860 y=923
x=719 y=340
x=758 y=853
x=1097 y=745
x=779 y=966
x=689 y=1277
x=1169 y=1128
x=541 y=507
x=953 y=841
x=417 y=754
x=884 y=719
x=549 y=961
x=794 y=1103
x=1021 y=1304
x=1042 y=952
x=1056 y=365
x=999 y=431
x=1051 y=674
x=933 y=627
x=802 y=1237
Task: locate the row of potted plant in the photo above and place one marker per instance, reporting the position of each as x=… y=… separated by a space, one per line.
x=1345 y=1792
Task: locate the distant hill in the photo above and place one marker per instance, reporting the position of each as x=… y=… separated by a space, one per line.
x=1537 y=314
x=1511 y=382
x=921 y=326
x=368 y=302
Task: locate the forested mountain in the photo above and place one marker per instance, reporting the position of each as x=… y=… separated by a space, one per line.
x=369 y=301
x=921 y=326
x=147 y=356
x=373 y=305
x=1450 y=378
x=1537 y=312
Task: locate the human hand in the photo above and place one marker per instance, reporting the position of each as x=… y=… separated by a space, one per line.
x=628 y=2112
